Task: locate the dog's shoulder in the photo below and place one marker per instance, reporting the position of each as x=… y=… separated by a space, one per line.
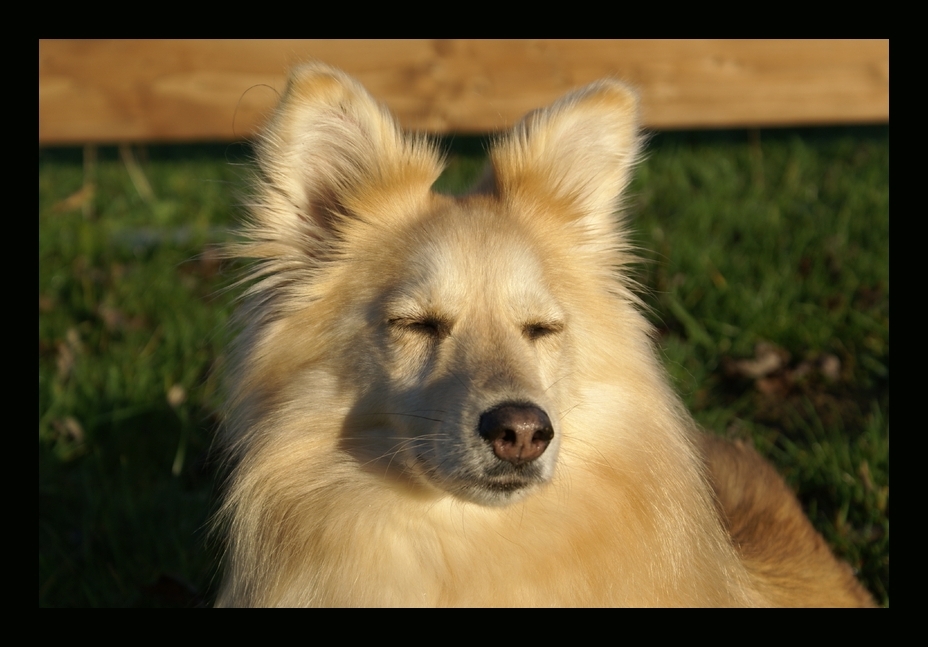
x=788 y=558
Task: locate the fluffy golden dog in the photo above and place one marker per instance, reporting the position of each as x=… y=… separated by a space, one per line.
x=447 y=401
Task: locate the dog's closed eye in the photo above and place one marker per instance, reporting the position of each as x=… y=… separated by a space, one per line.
x=430 y=326
x=537 y=330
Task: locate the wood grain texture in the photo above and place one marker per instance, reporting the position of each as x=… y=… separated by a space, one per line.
x=123 y=91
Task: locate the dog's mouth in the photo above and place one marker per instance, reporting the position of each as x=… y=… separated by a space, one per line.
x=497 y=485
x=511 y=486
x=495 y=489
x=496 y=493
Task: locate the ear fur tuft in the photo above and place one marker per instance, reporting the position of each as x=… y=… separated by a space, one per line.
x=332 y=152
x=578 y=153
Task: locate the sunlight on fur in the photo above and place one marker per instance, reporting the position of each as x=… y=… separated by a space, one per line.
x=455 y=401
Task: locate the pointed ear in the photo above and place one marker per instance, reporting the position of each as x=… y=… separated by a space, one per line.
x=576 y=154
x=331 y=153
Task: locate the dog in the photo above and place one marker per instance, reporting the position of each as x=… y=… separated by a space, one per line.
x=455 y=401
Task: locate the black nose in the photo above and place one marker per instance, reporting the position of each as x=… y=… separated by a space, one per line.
x=518 y=433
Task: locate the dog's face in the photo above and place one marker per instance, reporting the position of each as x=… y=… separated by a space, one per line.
x=445 y=324
x=469 y=356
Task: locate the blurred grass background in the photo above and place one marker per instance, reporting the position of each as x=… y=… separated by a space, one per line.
x=765 y=261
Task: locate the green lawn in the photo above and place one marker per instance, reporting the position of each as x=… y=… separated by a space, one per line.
x=765 y=264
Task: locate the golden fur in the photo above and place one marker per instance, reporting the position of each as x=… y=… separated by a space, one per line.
x=447 y=401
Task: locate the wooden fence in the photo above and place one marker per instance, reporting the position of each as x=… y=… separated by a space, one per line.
x=171 y=91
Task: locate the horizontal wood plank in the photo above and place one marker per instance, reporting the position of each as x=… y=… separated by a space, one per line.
x=123 y=91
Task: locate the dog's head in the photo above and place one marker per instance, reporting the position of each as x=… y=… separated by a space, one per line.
x=443 y=334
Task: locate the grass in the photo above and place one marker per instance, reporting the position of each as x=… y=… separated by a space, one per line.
x=757 y=247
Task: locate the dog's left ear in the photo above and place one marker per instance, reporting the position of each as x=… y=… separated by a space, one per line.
x=332 y=157
x=576 y=154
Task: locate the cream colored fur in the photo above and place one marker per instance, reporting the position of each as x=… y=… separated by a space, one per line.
x=387 y=319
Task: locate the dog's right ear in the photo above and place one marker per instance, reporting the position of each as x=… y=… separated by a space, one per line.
x=576 y=154
x=330 y=158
